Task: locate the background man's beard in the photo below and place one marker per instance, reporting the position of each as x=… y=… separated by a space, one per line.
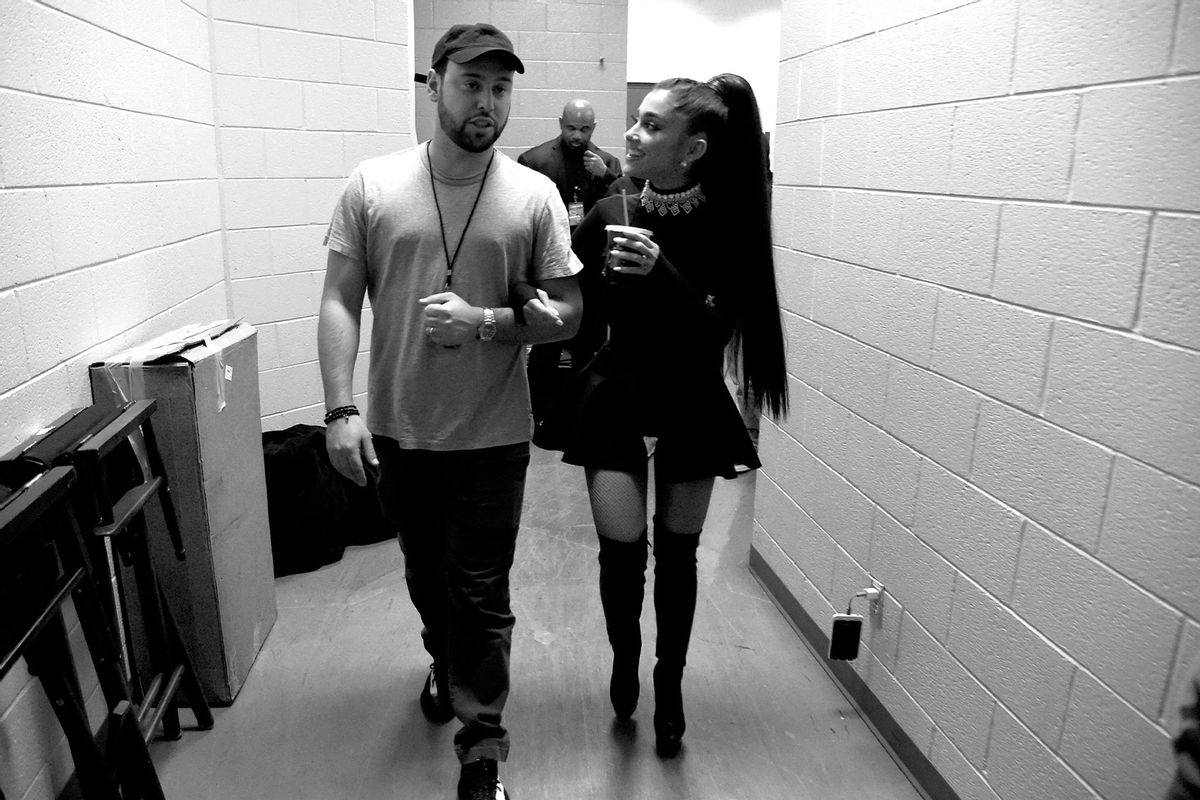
x=467 y=136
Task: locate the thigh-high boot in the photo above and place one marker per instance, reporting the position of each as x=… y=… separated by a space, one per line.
x=674 y=608
x=622 y=587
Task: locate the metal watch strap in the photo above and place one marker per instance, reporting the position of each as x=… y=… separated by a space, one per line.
x=487 y=328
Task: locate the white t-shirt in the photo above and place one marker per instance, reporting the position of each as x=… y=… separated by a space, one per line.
x=421 y=394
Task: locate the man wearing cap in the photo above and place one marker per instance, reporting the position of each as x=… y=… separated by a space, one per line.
x=437 y=236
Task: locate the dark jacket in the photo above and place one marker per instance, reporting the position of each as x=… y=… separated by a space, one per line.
x=568 y=173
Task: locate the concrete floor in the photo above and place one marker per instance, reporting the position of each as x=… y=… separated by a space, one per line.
x=329 y=711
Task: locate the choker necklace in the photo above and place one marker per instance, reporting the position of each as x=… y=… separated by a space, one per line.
x=684 y=201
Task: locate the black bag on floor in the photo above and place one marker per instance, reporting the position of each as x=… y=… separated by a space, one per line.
x=314 y=511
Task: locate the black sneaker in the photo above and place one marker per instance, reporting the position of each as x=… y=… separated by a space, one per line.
x=435 y=701
x=480 y=780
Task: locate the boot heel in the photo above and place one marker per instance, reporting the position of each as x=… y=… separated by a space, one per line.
x=624 y=688
x=669 y=723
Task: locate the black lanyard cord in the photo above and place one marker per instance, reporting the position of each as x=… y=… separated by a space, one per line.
x=442 y=225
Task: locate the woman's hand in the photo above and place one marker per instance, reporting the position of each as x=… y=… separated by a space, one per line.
x=638 y=254
x=539 y=311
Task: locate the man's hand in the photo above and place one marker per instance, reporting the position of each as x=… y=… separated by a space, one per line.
x=449 y=320
x=538 y=311
x=349 y=445
x=594 y=164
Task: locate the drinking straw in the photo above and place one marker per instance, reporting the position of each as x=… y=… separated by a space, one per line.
x=625 y=207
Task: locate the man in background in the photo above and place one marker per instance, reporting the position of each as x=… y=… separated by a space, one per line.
x=581 y=170
x=583 y=173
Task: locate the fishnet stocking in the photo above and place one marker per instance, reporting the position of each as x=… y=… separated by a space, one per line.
x=618 y=501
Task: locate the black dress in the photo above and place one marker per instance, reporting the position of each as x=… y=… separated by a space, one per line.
x=660 y=373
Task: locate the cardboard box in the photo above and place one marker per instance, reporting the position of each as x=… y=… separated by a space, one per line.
x=205 y=379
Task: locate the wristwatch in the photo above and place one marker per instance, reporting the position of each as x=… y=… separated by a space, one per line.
x=487 y=328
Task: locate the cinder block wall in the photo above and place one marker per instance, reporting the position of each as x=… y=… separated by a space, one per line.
x=109 y=209
x=987 y=218
x=110 y=230
x=304 y=92
x=570 y=49
x=131 y=204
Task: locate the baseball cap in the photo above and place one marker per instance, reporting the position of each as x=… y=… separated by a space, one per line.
x=463 y=43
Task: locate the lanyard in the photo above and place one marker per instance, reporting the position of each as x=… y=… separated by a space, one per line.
x=450 y=259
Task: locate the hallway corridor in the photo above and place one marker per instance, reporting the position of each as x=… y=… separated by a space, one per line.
x=330 y=711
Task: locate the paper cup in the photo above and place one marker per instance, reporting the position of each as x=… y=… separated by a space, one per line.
x=616 y=255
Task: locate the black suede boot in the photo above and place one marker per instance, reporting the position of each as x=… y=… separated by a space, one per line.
x=674 y=608
x=622 y=587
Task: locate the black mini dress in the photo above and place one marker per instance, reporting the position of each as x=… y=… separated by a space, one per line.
x=660 y=372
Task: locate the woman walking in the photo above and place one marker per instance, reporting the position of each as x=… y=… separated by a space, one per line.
x=702 y=279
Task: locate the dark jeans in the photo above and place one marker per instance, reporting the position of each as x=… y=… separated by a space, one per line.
x=457 y=513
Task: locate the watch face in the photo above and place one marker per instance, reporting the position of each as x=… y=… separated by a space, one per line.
x=487 y=328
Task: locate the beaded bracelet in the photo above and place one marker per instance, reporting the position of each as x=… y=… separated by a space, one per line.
x=340 y=412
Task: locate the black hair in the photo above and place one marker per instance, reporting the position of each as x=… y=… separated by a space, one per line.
x=736 y=179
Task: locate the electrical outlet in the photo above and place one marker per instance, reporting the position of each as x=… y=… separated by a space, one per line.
x=877 y=602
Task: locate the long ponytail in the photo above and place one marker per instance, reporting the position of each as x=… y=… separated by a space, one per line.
x=736 y=181
x=740 y=181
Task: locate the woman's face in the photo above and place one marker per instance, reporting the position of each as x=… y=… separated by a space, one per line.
x=657 y=142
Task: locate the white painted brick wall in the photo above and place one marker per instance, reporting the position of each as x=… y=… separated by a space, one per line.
x=1114 y=765
x=985 y=634
x=1083 y=263
x=1172 y=290
x=1021 y=765
x=1186 y=55
x=1055 y=591
x=865 y=228
x=950 y=762
x=1136 y=146
x=994 y=347
x=946 y=507
x=934 y=416
x=891 y=313
x=1019 y=148
x=1129 y=393
x=1149 y=533
x=999 y=201
x=796 y=534
x=958 y=704
x=903 y=707
x=917 y=577
x=1080 y=42
x=1050 y=475
x=890 y=58
x=963 y=55
x=111 y=217
x=948 y=241
x=909 y=149
x=855 y=376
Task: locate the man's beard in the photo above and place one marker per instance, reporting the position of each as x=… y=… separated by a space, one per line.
x=466 y=135
x=576 y=149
